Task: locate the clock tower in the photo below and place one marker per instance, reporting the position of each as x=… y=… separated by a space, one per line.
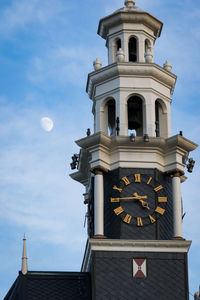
x=132 y=168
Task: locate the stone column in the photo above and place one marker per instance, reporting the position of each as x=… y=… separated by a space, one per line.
x=177 y=204
x=98 y=204
x=100 y=117
x=141 y=48
x=149 y=115
x=125 y=48
x=122 y=112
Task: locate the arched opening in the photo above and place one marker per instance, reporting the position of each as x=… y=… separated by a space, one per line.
x=132 y=48
x=110 y=117
x=147 y=45
x=116 y=46
x=135 y=115
x=161 y=119
x=157 y=112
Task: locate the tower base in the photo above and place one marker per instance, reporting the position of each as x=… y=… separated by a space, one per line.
x=135 y=269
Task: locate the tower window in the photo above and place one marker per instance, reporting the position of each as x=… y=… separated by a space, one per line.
x=111 y=117
x=157 y=112
x=161 y=119
x=119 y=44
x=132 y=46
x=135 y=115
x=116 y=46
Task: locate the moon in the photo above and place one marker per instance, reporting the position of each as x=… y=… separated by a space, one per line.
x=46 y=123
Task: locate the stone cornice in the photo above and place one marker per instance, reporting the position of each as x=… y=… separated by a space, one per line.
x=145 y=70
x=181 y=142
x=108 y=153
x=80 y=177
x=101 y=139
x=140 y=245
x=136 y=16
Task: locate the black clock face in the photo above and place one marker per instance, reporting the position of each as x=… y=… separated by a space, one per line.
x=138 y=199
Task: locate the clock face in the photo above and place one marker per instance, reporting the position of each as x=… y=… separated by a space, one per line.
x=139 y=199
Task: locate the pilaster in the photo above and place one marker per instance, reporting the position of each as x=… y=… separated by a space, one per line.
x=98 y=203
x=177 y=203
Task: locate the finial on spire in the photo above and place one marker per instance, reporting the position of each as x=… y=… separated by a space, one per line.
x=24 y=257
x=129 y=3
x=167 y=66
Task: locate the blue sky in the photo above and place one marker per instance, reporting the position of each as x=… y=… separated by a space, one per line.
x=46 y=51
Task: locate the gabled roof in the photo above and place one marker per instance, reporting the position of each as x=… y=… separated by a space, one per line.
x=50 y=286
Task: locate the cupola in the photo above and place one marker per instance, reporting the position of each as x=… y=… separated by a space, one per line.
x=131 y=29
x=132 y=94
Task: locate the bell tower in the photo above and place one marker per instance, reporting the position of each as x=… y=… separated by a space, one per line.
x=130 y=35
x=132 y=168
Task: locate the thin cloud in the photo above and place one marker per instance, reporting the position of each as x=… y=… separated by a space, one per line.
x=63 y=65
x=35 y=186
x=23 y=13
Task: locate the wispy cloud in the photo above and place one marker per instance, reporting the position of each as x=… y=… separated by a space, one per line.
x=35 y=186
x=64 y=64
x=22 y=13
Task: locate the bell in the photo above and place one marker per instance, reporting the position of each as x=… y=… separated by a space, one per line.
x=134 y=114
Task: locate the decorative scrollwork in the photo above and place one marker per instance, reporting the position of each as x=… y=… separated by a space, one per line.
x=75 y=161
x=190 y=165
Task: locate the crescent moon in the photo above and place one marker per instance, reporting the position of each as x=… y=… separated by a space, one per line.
x=46 y=123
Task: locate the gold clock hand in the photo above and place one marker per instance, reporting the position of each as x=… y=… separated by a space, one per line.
x=126 y=198
x=136 y=197
x=139 y=197
x=144 y=204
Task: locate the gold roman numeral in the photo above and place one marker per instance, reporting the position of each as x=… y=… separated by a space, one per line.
x=148 y=182
x=118 y=210
x=162 y=199
x=152 y=219
x=127 y=219
x=137 y=178
x=116 y=188
x=160 y=210
x=139 y=222
x=158 y=188
x=126 y=181
x=114 y=200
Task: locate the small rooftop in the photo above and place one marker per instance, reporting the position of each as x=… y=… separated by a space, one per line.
x=129 y=14
x=51 y=286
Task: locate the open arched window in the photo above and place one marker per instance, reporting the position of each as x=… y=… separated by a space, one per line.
x=161 y=119
x=157 y=112
x=132 y=48
x=116 y=46
x=135 y=115
x=111 y=117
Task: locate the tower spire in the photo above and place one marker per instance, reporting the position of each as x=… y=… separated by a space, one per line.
x=24 y=257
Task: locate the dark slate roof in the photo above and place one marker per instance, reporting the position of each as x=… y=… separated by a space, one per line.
x=51 y=286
